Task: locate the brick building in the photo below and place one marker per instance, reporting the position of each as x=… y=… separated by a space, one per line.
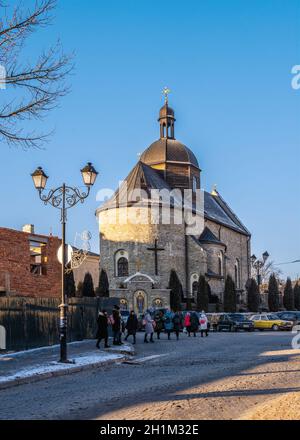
x=29 y=264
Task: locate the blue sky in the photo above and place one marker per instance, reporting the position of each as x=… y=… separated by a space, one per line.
x=228 y=65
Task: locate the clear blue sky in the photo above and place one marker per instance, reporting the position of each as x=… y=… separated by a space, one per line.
x=228 y=64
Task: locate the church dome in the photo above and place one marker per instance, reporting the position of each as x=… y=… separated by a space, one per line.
x=169 y=150
x=166 y=112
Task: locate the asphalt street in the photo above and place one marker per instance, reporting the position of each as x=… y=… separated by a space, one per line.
x=219 y=377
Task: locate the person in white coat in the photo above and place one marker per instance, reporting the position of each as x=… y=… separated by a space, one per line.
x=203 y=324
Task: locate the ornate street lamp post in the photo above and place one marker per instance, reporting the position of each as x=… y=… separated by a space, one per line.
x=258 y=265
x=64 y=198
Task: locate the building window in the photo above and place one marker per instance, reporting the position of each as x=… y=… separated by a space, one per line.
x=221 y=264
x=38 y=258
x=121 y=264
x=123 y=267
x=195 y=288
x=237 y=276
x=194 y=282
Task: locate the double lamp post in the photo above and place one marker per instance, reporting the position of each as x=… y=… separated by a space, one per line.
x=64 y=198
x=258 y=264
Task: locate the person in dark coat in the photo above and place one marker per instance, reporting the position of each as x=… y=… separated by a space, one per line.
x=194 y=323
x=159 y=323
x=102 y=332
x=132 y=326
x=116 y=326
x=177 y=324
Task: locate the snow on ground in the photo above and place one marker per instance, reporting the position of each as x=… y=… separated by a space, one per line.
x=52 y=367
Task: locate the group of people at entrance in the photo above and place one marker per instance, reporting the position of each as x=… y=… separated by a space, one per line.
x=157 y=322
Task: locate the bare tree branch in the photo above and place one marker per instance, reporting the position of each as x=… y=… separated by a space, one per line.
x=38 y=85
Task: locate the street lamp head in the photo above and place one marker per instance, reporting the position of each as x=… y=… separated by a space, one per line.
x=265 y=256
x=253 y=259
x=89 y=175
x=39 y=179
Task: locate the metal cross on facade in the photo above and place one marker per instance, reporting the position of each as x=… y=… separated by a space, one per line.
x=156 y=249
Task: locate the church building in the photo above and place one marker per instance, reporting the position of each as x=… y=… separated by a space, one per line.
x=139 y=250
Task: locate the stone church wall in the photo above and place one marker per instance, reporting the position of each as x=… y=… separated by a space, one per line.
x=237 y=248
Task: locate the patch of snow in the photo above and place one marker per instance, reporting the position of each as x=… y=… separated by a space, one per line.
x=39 y=349
x=53 y=367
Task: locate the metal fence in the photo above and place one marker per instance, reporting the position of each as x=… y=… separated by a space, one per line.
x=34 y=322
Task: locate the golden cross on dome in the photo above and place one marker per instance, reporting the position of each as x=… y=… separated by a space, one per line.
x=166 y=93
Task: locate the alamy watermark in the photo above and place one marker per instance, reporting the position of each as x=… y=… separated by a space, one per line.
x=141 y=207
x=296 y=77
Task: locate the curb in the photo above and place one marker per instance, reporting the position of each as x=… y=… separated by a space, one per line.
x=65 y=372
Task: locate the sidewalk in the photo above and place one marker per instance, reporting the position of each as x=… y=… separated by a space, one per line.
x=42 y=363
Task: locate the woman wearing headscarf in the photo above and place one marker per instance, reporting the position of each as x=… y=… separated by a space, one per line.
x=149 y=328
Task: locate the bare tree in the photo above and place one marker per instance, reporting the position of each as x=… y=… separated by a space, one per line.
x=267 y=270
x=35 y=87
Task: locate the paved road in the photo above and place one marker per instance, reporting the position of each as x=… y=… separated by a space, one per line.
x=221 y=376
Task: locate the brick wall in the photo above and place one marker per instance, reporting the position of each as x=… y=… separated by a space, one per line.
x=15 y=274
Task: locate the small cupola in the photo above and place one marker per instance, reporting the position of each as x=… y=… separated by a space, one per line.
x=167 y=118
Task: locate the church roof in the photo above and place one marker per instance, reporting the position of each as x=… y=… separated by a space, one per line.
x=208 y=236
x=169 y=150
x=144 y=177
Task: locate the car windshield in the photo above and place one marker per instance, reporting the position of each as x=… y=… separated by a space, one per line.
x=237 y=317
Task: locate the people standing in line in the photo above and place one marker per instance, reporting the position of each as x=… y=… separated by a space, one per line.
x=177 y=324
x=116 y=326
x=187 y=323
x=203 y=324
x=149 y=327
x=159 y=323
x=132 y=326
x=102 y=332
x=194 y=327
x=168 y=322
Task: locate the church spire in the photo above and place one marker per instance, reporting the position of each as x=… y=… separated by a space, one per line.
x=167 y=118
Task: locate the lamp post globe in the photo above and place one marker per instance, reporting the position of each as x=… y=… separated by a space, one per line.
x=89 y=175
x=39 y=179
x=265 y=256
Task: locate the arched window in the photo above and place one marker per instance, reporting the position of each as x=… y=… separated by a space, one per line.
x=121 y=264
x=123 y=267
x=237 y=276
x=221 y=264
x=194 y=282
x=195 y=288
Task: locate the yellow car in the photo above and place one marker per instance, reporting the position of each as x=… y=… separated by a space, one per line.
x=269 y=321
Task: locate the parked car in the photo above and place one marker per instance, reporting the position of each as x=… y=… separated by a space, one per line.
x=290 y=316
x=234 y=322
x=270 y=321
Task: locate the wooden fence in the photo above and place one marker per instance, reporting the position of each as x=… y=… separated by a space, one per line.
x=34 y=322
